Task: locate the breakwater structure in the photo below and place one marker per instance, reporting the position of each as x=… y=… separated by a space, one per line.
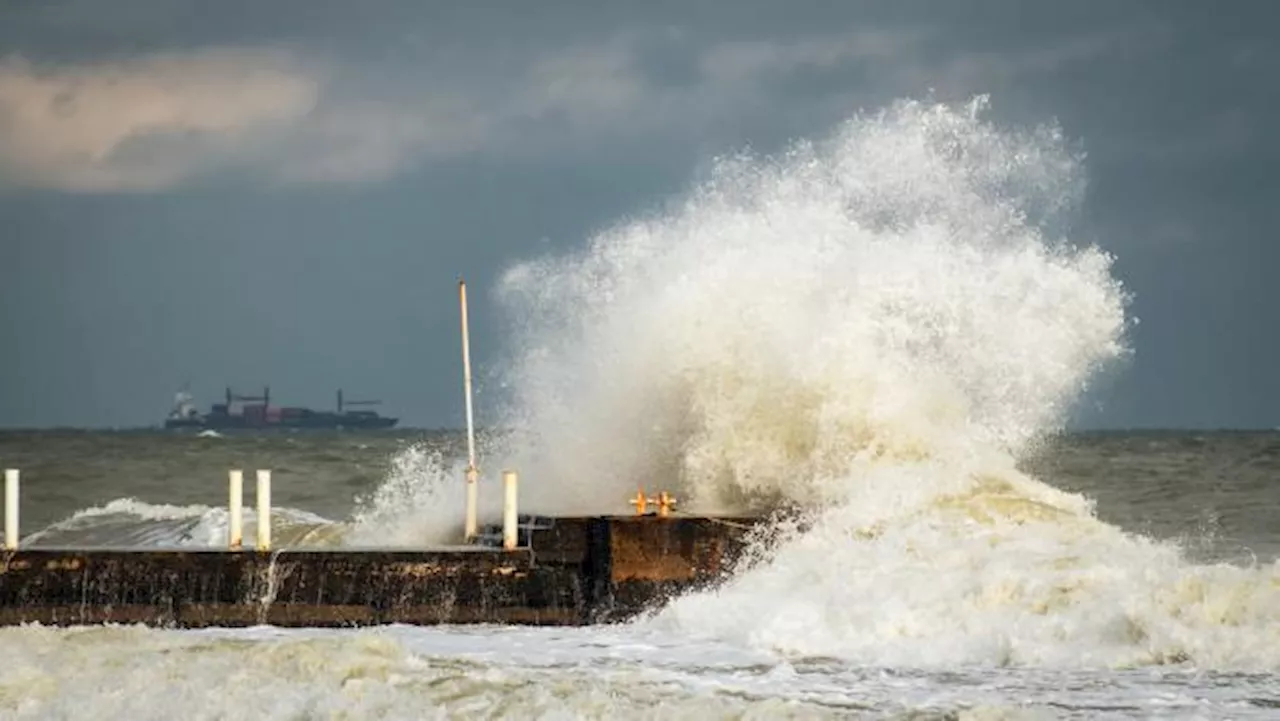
x=526 y=570
x=531 y=570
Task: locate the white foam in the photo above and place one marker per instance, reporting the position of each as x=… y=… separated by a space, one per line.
x=419 y=503
x=476 y=672
x=874 y=327
x=129 y=522
x=885 y=293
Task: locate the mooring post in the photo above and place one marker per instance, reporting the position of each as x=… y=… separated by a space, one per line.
x=473 y=500
x=11 y=509
x=470 y=524
x=509 y=495
x=264 y=510
x=235 y=511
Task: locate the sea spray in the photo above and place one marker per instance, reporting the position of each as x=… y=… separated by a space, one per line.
x=887 y=293
x=422 y=499
x=873 y=329
x=418 y=504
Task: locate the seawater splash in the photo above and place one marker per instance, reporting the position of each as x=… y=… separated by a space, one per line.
x=873 y=329
x=889 y=294
x=422 y=500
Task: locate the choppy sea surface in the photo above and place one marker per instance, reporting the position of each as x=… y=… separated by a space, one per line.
x=1211 y=494
x=882 y=330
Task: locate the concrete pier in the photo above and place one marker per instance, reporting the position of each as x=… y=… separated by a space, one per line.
x=564 y=571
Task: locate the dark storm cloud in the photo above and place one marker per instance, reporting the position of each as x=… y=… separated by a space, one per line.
x=328 y=101
x=252 y=191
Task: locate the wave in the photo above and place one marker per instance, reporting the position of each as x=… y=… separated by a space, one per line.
x=873 y=328
x=130 y=523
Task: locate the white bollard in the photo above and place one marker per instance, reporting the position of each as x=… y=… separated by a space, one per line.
x=471 y=524
x=11 y=509
x=264 y=510
x=235 y=515
x=509 y=518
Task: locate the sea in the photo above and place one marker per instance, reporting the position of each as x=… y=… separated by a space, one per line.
x=886 y=330
x=1191 y=633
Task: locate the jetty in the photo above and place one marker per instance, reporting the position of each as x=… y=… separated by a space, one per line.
x=564 y=571
x=525 y=570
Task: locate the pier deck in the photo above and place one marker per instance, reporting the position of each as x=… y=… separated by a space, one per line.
x=572 y=571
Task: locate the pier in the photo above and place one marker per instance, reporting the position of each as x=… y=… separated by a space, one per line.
x=572 y=571
x=524 y=570
x=527 y=570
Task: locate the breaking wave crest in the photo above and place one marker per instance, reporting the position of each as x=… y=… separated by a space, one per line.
x=131 y=523
x=891 y=294
x=872 y=329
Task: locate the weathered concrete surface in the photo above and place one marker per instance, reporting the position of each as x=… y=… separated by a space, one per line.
x=577 y=571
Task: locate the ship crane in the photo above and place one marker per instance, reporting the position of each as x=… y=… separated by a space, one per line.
x=344 y=404
x=265 y=397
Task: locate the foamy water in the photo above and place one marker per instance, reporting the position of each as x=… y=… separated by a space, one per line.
x=874 y=328
x=602 y=673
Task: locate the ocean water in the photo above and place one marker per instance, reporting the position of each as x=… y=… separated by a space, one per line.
x=1208 y=496
x=885 y=329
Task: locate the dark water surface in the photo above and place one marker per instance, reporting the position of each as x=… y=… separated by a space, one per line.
x=1124 y=642
x=1216 y=492
x=316 y=471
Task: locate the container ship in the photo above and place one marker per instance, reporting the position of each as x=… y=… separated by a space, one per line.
x=241 y=411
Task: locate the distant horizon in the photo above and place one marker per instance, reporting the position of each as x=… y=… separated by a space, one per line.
x=159 y=429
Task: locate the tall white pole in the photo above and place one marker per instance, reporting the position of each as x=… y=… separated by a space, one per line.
x=509 y=496
x=235 y=520
x=470 y=526
x=11 y=509
x=264 y=510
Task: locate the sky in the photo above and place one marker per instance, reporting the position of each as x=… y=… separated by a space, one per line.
x=285 y=193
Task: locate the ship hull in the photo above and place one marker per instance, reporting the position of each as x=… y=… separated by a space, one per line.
x=230 y=423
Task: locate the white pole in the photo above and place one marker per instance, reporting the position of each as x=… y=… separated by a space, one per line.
x=11 y=509
x=509 y=482
x=469 y=528
x=264 y=510
x=235 y=522
x=473 y=500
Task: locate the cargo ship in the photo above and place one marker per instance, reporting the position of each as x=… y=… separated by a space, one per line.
x=241 y=411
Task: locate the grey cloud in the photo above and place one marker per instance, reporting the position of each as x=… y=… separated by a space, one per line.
x=144 y=123
x=152 y=122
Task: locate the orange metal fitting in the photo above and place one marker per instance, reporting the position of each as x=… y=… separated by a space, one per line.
x=640 y=502
x=665 y=503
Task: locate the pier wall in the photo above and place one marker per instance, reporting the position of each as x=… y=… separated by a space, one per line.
x=576 y=571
